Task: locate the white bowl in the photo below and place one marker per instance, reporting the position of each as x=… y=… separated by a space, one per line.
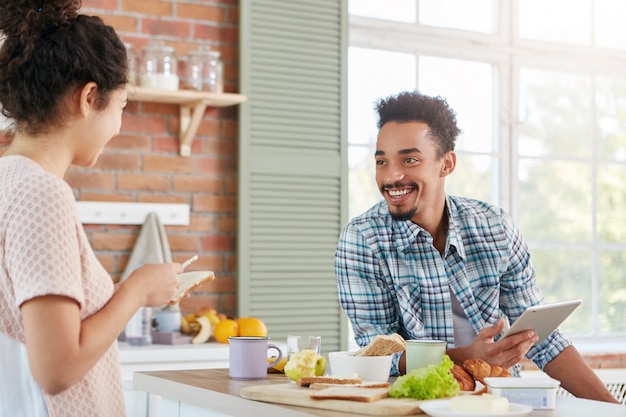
x=368 y=368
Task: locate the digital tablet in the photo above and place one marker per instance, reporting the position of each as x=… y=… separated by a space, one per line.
x=543 y=319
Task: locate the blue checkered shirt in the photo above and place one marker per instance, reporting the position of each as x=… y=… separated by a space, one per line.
x=391 y=279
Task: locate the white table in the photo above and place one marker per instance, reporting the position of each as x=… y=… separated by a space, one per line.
x=211 y=393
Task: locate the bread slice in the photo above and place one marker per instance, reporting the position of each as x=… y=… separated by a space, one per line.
x=365 y=385
x=351 y=394
x=383 y=345
x=189 y=281
x=306 y=381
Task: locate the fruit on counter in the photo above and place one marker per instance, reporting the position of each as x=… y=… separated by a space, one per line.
x=483 y=404
x=305 y=363
x=205 y=330
x=224 y=329
x=435 y=381
x=251 y=326
x=279 y=367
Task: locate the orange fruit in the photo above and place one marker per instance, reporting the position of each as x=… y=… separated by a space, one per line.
x=251 y=326
x=224 y=329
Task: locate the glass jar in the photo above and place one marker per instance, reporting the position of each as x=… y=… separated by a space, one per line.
x=204 y=70
x=132 y=63
x=158 y=67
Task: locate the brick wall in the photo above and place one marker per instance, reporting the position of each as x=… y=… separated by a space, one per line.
x=142 y=164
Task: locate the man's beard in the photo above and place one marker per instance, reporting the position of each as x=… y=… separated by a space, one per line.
x=403 y=216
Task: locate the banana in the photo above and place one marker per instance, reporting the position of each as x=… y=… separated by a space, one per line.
x=205 y=330
x=279 y=367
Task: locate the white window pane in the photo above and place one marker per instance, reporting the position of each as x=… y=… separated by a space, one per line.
x=476 y=15
x=611 y=123
x=565 y=21
x=554 y=114
x=475 y=176
x=468 y=88
x=395 y=10
x=609 y=24
x=373 y=74
x=549 y=186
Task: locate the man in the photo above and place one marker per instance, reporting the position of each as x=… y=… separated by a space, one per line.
x=428 y=265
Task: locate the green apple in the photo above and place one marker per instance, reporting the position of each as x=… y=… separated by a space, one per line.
x=304 y=364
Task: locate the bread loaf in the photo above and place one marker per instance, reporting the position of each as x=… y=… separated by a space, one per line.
x=383 y=345
x=188 y=281
x=306 y=381
x=324 y=385
x=351 y=394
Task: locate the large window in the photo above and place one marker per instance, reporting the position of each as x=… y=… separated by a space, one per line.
x=539 y=87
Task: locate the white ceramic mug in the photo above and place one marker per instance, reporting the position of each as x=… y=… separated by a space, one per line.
x=421 y=353
x=248 y=357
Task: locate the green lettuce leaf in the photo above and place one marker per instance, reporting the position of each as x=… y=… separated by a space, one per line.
x=435 y=381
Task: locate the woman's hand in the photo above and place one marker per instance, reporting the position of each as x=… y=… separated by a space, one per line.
x=156 y=282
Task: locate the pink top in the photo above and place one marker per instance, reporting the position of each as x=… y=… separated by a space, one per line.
x=44 y=250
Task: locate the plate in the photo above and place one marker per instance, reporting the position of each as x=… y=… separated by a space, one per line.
x=441 y=408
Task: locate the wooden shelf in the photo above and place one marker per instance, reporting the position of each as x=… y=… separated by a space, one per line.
x=192 y=107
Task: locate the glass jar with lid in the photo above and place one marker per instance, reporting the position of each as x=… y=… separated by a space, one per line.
x=132 y=63
x=204 y=70
x=158 y=67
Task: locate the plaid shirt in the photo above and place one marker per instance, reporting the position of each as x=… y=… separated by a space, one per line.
x=391 y=278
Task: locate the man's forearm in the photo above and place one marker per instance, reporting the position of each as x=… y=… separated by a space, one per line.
x=577 y=377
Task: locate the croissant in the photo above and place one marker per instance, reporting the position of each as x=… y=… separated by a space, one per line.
x=465 y=380
x=480 y=369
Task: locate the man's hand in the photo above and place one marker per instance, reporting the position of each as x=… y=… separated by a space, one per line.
x=505 y=352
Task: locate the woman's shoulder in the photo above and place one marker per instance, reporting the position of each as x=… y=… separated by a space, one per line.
x=23 y=179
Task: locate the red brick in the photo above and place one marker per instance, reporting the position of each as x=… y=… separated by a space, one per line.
x=227 y=224
x=219 y=243
x=81 y=179
x=116 y=161
x=169 y=144
x=201 y=224
x=122 y=23
x=211 y=165
x=162 y=198
x=87 y=5
x=143 y=124
x=196 y=184
x=149 y=7
x=129 y=142
x=185 y=243
x=200 y=12
x=108 y=242
x=165 y=27
x=153 y=182
x=96 y=196
x=215 y=204
x=168 y=164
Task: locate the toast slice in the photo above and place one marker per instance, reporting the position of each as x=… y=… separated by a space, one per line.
x=188 y=282
x=307 y=381
x=365 y=385
x=383 y=345
x=367 y=395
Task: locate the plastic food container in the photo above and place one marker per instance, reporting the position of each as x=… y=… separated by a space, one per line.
x=539 y=393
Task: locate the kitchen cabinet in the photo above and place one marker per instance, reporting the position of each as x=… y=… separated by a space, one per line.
x=163 y=358
x=192 y=106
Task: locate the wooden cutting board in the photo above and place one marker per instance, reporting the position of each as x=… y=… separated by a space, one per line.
x=293 y=394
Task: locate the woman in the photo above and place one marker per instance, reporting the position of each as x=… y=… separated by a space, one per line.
x=62 y=83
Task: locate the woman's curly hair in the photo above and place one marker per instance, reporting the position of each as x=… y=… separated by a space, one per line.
x=48 y=50
x=411 y=106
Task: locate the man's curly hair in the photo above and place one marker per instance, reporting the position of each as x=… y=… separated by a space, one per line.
x=411 y=106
